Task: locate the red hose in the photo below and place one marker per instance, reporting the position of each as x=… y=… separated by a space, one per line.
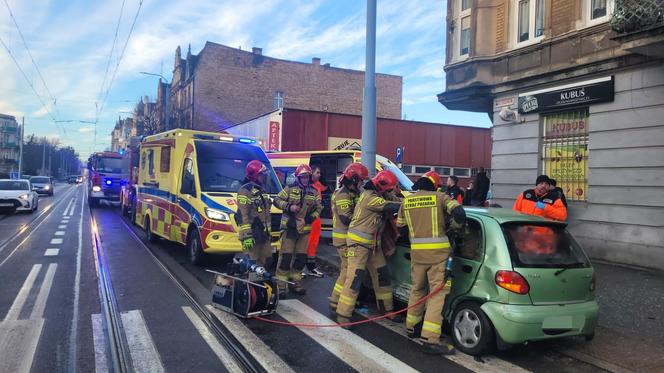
x=353 y=323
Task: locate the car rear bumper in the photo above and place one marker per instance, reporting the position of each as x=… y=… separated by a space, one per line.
x=517 y=324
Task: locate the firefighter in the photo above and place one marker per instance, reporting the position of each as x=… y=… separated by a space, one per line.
x=541 y=201
x=253 y=216
x=364 y=250
x=301 y=205
x=426 y=213
x=343 y=206
x=453 y=190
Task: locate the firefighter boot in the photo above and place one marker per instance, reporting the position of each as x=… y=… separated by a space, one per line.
x=437 y=349
x=415 y=332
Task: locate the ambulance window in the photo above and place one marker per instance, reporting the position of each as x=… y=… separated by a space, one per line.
x=284 y=174
x=188 y=185
x=143 y=157
x=151 y=162
x=165 y=160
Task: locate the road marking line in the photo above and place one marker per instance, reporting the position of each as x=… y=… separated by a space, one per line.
x=42 y=297
x=63 y=226
x=68 y=206
x=144 y=355
x=73 y=329
x=491 y=363
x=346 y=345
x=73 y=208
x=60 y=233
x=99 y=339
x=18 y=343
x=52 y=252
x=56 y=241
x=64 y=222
x=261 y=352
x=22 y=296
x=217 y=348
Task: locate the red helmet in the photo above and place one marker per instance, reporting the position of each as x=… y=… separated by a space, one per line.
x=303 y=170
x=435 y=178
x=384 y=181
x=356 y=171
x=255 y=168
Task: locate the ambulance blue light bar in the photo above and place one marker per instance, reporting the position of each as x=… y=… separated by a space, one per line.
x=246 y=141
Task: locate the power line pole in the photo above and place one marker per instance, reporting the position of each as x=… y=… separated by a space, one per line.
x=43 y=167
x=369 y=101
x=20 y=148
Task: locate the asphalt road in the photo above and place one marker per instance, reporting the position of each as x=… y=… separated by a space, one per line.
x=52 y=320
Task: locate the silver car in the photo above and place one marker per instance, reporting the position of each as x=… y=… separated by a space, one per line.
x=17 y=195
x=42 y=185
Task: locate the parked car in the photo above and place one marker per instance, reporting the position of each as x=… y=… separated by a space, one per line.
x=17 y=195
x=517 y=278
x=42 y=185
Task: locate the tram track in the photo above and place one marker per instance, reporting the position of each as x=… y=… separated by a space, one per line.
x=242 y=357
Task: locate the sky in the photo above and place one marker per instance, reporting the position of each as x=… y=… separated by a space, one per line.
x=76 y=71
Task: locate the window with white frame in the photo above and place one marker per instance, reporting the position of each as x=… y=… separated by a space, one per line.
x=278 y=101
x=461 y=44
x=528 y=22
x=597 y=11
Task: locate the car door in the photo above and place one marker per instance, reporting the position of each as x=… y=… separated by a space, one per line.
x=466 y=261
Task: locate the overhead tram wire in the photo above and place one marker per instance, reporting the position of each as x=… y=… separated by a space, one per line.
x=34 y=63
x=110 y=54
x=25 y=76
x=117 y=65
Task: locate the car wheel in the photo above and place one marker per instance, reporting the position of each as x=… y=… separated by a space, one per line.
x=472 y=331
x=36 y=205
x=194 y=247
x=148 y=230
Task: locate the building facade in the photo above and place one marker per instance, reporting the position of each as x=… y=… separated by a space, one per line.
x=123 y=130
x=575 y=90
x=9 y=145
x=222 y=86
x=447 y=149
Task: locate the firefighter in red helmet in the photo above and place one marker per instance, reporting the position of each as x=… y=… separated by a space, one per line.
x=343 y=206
x=253 y=215
x=301 y=205
x=364 y=249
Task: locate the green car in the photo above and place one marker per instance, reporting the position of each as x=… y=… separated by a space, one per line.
x=517 y=278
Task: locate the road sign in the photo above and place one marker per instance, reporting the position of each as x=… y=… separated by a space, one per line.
x=399 y=157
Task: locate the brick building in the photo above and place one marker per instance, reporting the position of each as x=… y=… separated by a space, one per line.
x=222 y=86
x=9 y=145
x=575 y=89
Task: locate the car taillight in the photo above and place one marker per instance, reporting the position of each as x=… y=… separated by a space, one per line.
x=512 y=281
x=592 y=283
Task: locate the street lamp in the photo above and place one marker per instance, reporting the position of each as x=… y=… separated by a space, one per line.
x=168 y=98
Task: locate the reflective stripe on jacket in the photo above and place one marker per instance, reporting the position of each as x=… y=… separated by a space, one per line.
x=425 y=212
x=368 y=219
x=343 y=206
x=253 y=202
x=307 y=198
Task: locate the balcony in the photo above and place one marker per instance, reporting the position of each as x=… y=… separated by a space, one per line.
x=639 y=25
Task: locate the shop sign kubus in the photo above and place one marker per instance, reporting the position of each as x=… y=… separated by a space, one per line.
x=567 y=96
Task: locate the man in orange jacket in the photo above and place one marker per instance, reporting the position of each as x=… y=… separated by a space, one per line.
x=541 y=201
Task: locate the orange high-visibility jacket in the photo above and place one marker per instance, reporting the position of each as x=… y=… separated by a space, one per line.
x=553 y=206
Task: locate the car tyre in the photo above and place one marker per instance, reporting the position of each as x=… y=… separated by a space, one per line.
x=35 y=206
x=194 y=247
x=472 y=331
x=148 y=230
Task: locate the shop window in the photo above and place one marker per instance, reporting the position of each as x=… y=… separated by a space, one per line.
x=529 y=23
x=565 y=152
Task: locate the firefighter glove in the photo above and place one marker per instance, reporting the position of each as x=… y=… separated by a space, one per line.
x=248 y=243
x=540 y=205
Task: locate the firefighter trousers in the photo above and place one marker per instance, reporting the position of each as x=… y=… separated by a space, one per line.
x=339 y=284
x=292 y=259
x=360 y=261
x=427 y=277
x=260 y=253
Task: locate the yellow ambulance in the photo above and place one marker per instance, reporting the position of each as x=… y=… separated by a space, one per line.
x=332 y=164
x=187 y=185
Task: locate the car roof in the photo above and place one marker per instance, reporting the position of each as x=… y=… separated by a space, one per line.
x=505 y=215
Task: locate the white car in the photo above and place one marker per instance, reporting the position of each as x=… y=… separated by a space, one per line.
x=17 y=195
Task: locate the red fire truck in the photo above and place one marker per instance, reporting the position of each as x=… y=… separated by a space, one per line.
x=105 y=175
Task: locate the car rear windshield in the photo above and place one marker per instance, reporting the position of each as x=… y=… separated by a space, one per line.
x=40 y=179
x=109 y=165
x=222 y=166
x=14 y=185
x=543 y=246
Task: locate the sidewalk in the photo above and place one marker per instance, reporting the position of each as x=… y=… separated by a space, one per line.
x=630 y=334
